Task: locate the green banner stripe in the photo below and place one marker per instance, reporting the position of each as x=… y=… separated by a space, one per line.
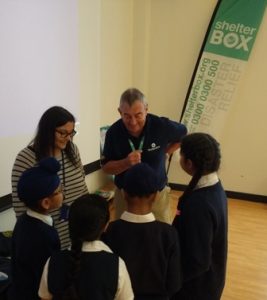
x=235 y=27
x=228 y=44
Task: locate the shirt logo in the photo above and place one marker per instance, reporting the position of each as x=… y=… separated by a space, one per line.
x=153 y=147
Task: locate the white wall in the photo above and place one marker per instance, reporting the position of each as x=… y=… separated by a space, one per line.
x=89 y=52
x=116 y=55
x=39 y=68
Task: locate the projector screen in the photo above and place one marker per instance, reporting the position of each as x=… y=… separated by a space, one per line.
x=39 y=68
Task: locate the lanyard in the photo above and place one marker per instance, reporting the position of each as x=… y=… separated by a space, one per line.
x=140 y=145
x=63 y=173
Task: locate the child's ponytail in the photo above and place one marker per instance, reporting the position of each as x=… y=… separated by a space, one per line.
x=204 y=152
x=88 y=217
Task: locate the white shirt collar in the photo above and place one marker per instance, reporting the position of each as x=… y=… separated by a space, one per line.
x=207 y=180
x=130 y=217
x=95 y=246
x=44 y=218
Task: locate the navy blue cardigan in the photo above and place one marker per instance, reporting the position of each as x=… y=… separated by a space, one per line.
x=202 y=227
x=152 y=255
x=33 y=242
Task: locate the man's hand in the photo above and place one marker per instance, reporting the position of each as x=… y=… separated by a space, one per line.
x=116 y=167
x=172 y=147
x=134 y=157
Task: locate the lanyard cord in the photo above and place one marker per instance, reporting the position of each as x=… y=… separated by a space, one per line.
x=140 y=147
x=63 y=170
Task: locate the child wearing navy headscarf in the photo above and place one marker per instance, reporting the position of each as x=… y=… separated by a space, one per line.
x=150 y=248
x=34 y=237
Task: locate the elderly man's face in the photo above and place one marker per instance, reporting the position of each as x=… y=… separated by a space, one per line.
x=134 y=117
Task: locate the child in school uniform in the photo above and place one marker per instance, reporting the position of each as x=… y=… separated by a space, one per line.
x=89 y=270
x=201 y=220
x=34 y=238
x=149 y=248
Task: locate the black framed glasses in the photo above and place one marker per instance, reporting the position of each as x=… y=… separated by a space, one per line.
x=65 y=134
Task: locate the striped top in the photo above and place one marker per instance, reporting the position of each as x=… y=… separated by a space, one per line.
x=72 y=177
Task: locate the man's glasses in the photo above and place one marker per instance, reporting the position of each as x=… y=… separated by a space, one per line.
x=65 y=134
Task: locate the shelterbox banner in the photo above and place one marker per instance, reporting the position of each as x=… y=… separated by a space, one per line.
x=226 y=50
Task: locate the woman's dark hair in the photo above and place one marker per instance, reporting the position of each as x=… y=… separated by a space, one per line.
x=44 y=139
x=88 y=217
x=204 y=152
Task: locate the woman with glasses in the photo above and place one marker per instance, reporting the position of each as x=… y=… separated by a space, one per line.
x=54 y=137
